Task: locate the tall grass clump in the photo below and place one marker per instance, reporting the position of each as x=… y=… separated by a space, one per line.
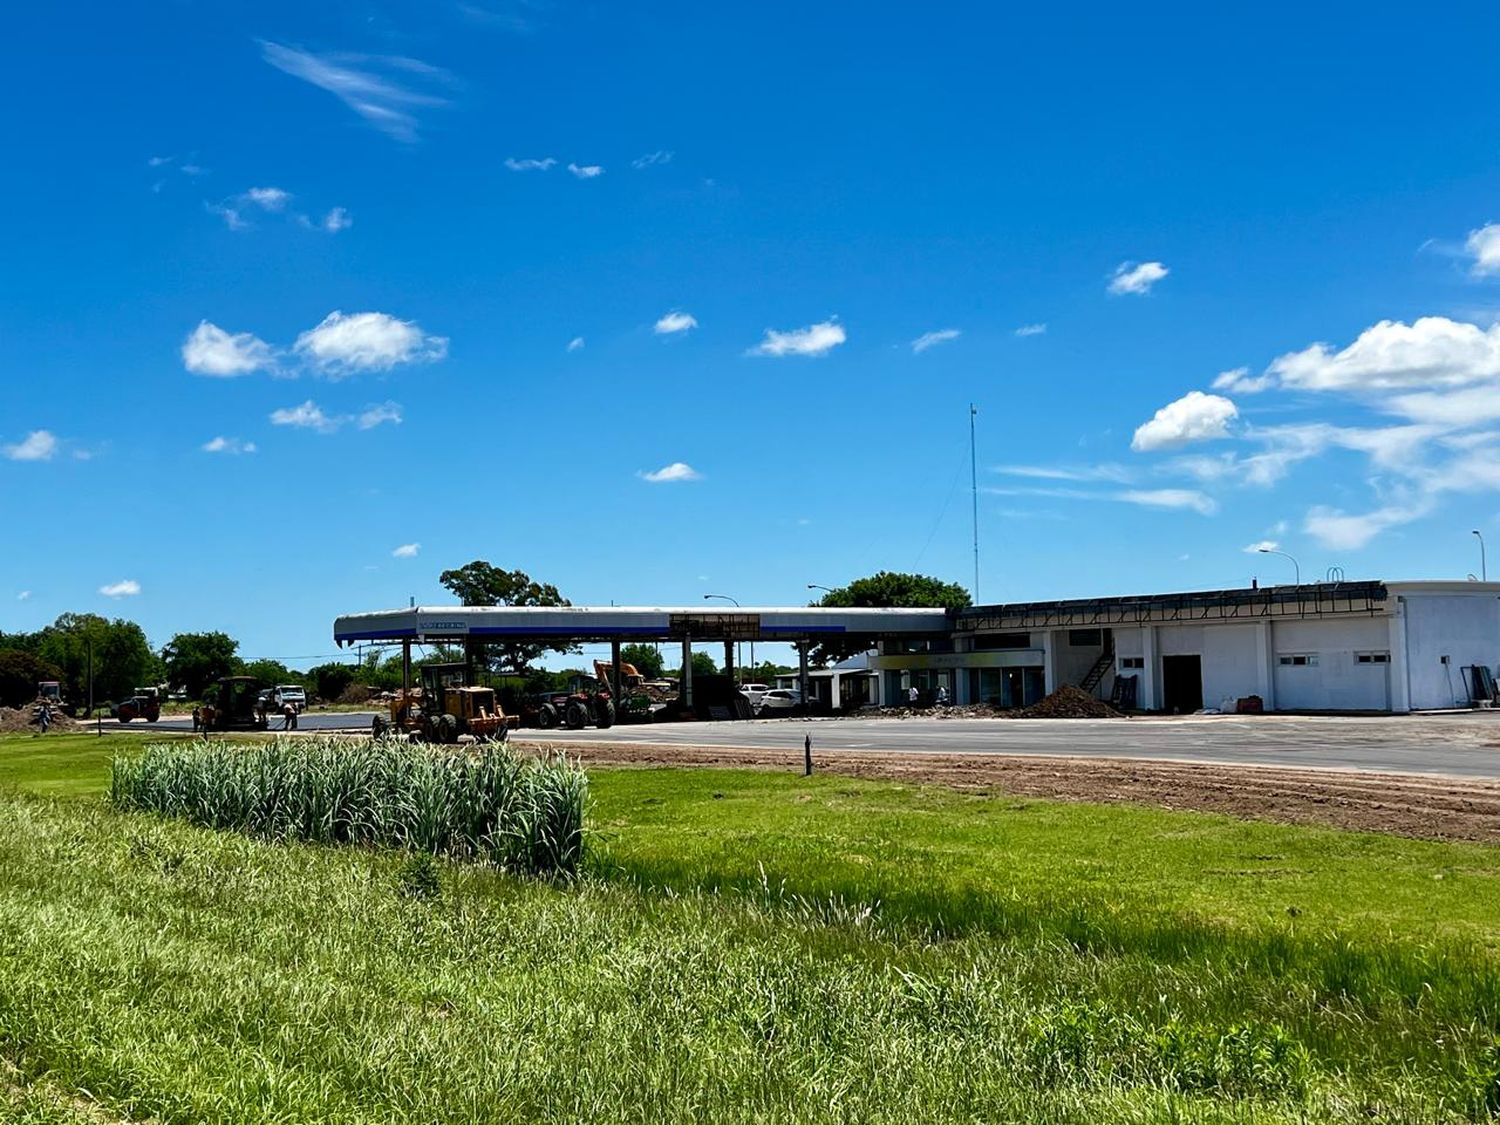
x=485 y=804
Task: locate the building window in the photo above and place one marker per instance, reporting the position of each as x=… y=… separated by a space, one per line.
x=1085 y=638
x=1132 y=662
x=1372 y=658
x=989 y=642
x=1298 y=659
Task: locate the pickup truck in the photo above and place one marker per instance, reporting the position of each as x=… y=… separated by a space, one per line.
x=289 y=693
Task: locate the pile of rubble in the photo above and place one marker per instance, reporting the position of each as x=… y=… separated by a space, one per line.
x=1067 y=702
x=24 y=718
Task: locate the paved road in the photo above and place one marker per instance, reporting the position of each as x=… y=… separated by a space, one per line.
x=1464 y=745
x=331 y=720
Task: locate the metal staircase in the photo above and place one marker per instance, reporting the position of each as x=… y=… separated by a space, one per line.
x=1101 y=667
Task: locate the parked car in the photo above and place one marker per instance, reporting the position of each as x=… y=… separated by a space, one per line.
x=290 y=693
x=753 y=693
x=778 y=701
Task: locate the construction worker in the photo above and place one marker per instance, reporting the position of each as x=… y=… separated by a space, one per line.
x=288 y=716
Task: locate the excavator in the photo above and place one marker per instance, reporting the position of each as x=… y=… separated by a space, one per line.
x=636 y=695
x=445 y=708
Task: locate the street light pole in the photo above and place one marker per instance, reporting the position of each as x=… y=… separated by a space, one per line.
x=1296 y=569
x=727 y=598
x=1484 y=574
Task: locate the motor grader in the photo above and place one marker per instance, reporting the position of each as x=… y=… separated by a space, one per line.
x=445 y=708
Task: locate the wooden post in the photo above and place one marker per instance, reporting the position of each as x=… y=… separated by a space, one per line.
x=807 y=756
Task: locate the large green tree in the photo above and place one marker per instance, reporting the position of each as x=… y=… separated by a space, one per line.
x=481 y=583
x=20 y=672
x=118 y=651
x=330 y=680
x=886 y=589
x=646 y=658
x=195 y=660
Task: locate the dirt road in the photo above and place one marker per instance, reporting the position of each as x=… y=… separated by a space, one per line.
x=1425 y=807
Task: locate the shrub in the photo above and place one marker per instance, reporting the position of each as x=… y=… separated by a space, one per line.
x=487 y=805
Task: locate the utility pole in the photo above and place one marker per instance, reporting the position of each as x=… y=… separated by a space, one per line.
x=974 y=492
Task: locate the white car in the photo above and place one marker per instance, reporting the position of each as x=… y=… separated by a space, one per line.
x=778 y=701
x=753 y=692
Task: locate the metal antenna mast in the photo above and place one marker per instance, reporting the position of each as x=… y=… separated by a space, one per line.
x=974 y=492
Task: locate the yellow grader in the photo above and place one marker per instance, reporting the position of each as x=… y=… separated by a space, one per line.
x=445 y=708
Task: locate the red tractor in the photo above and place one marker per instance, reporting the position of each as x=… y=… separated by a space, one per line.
x=584 y=704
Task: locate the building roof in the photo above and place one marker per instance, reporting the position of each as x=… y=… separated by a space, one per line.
x=586 y=623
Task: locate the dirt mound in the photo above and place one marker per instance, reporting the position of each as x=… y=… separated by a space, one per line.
x=1067 y=702
x=20 y=719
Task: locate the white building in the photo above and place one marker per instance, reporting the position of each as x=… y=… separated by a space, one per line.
x=1345 y=646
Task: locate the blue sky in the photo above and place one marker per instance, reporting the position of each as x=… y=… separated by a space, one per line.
x=658 y=300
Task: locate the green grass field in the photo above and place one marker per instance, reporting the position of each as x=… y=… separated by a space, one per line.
x=743 y=946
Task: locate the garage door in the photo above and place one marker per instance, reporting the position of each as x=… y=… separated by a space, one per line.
x=1333 y=681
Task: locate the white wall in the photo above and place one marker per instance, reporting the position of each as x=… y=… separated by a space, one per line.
x=1463 y=627
x=1228 y=652
x=1337 y=682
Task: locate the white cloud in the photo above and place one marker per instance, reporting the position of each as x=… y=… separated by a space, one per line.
x=24 y=596
x=1174 y=498
x=269 y=198
x=674 y=473
x=125 y=588
x=529 y=164
x=1031 y=330
x=650 y=159
x=1484 y=246
x=39 y=445
x=1340 y=531
x=364 y=84
x=231 y=215
x=930 y=339
x=1193 y=417
x=406 y=551
x=1138 y=278
x=575 y=344
x=1116 y=473
x=1240 y=381
x=814 y=340
x=336 y=220
x=1432 y=352
x=379 y=414
x=367 y=341
x=586 y=171
x=675 y=321
x=228 y=445
x=209 y=350
x=1263 y=545
x=308 y=416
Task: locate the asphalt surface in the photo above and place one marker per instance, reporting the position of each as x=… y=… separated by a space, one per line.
x=1461 y=744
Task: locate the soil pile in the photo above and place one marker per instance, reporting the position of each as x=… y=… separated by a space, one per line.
x=20 y=719
x=1067 y=702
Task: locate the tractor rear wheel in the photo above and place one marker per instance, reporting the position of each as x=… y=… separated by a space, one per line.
x=577 y=715
x=604 y=714
x=546 y=716
x=380 y=727
x=448 y=726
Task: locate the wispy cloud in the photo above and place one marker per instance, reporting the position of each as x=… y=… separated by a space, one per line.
x=1188 y=499
x=651 y=159
x=1136 y=278
x=932 y=339
x=229 y=445
x=674 y=322
x=586 y=171
x=675 y=473
x=367 y=84
x=1262 y=545
x=1118 y=474
x=24 y=596
x=209 y=350
x=529 y=164
x=379 y=415
x=269 y=198
x=39 y=445
x=310 y=416
x=575 y=344
x=406 y=551
x=1031 y=330
x=336 y=220
x=125 y=588
x=814 y=340
x=366 y=341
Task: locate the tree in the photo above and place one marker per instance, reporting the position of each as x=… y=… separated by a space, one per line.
x=272 y=672
x=703 y=665
x=195 y=660
x=887 y=589
x=330 y=680
x=480 y=583
x=20 y=672
x=646 y=658
x=122 y=659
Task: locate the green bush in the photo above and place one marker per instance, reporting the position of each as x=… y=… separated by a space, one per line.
x=487 y=804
